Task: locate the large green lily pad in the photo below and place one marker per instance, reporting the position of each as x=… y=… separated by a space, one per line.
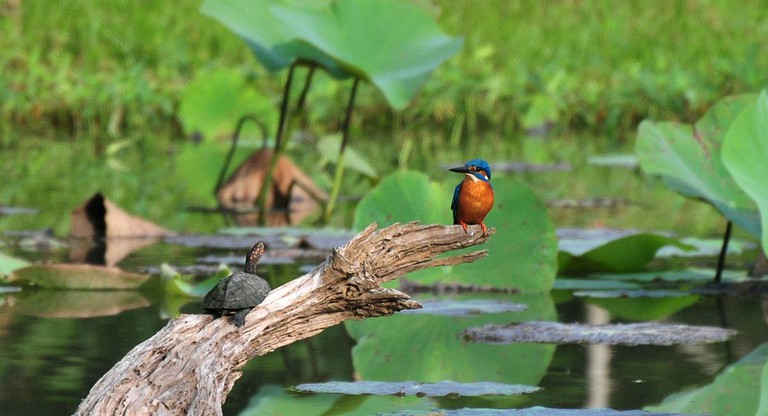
x=626 y=254
x=688 y=159
x=521 y=255
x=273 y=43
x=427 y=348
x=745 y=155
x=393 y=44
x=78 y=276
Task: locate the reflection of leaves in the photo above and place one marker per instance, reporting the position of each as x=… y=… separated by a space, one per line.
x=626 y=254
x=745 y=152
x=275 y=400
x=688 y=159
x=521 y=253
x=426 y=348
x=79 y=303
x=78 y=276
x=736 y=391
x=642 y=308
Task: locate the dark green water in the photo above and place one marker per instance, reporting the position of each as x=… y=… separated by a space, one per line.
x=54 y=347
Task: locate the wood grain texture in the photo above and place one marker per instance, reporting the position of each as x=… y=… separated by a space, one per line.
x=190 y=365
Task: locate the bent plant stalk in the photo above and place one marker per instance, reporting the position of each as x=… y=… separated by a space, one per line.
x=339 y=175
x=235 y=138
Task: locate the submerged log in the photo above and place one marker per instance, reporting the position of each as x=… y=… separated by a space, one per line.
x=191 y=364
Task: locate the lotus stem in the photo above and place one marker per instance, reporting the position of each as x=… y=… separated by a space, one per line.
x=723 y=252
x=340 y=162
x=266 y=186
x=235 y=138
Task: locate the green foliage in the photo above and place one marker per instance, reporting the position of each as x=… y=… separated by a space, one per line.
x=403 y=197
x=626 y=254
x=78 y=276
x=688 y=159
x=737 y=390
x=643 y=309
x=393 y=44
x=82 y=73
x=213 y=102
x=328 y=147
x=427 y=348
x=9 y=264
x=522 y=253
x=745 y=154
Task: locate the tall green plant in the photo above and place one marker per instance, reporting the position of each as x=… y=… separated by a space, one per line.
x=719 y=159
x=394 y=45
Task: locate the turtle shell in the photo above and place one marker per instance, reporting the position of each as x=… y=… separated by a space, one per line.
x=237 y=291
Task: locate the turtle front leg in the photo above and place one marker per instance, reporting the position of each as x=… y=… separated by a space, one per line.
x=239 y=318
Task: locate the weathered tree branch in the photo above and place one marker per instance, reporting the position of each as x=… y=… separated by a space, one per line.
x=191 y=364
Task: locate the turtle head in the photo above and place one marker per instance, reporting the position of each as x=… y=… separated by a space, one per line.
x=253 y=257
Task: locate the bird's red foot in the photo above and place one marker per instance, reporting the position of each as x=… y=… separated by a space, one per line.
x=485 y=229
x=464 y=226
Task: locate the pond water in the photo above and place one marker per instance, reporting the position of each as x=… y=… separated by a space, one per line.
x=56 y=344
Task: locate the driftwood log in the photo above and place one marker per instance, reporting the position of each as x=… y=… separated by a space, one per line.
x=191 y=364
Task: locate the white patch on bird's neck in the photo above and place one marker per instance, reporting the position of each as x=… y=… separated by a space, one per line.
x=475 y=178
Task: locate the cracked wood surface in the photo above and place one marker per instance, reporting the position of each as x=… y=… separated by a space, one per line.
x=191 y=364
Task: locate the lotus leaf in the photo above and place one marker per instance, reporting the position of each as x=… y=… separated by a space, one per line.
x=745 y=153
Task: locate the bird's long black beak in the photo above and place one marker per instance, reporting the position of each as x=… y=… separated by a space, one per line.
x=460 y=169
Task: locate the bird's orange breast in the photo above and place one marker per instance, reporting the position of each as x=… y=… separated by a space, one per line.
x=475 y=201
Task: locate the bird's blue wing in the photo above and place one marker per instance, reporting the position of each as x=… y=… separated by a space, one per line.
x=455 y=202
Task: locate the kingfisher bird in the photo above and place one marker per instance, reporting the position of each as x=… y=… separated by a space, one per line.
x=473 y=197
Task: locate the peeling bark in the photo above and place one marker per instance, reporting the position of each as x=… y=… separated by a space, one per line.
x=191 y=364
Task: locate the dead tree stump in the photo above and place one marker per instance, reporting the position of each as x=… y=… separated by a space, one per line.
x=190 y=365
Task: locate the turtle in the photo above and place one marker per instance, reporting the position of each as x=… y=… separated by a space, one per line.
x=239 y=292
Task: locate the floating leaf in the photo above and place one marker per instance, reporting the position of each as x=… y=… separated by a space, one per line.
x=426 y=347
x=686 y=275
x=739 y=389
x=647 y=333
x=78 y=276
x=626 y=254
x=465 y=307
x=521 y=253
x=563 y=283
x=214 y=101
x=411 y=388
x=614 y=161
x=9 y=263
x=745 y=154
x=688 y=159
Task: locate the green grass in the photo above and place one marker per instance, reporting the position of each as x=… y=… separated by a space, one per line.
x=88 y=67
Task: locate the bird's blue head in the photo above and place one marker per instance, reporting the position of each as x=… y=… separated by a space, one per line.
x=478 y=168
